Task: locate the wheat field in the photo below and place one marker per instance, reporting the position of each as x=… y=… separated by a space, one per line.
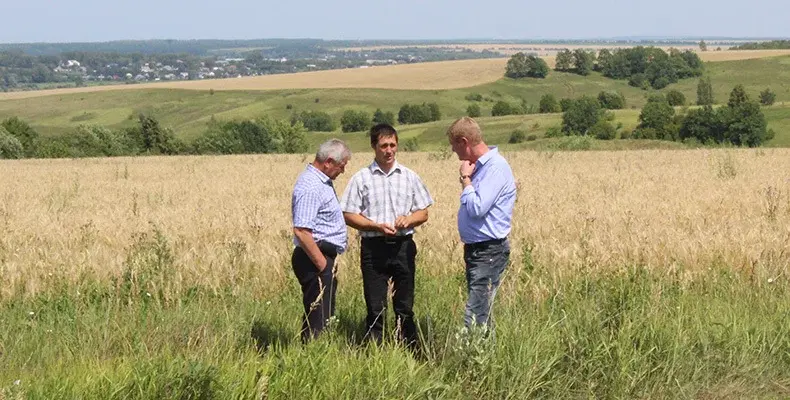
x=228 y=218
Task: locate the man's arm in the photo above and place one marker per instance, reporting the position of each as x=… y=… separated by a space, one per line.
x=478 y=202
x=362 y=223
x=308 y=244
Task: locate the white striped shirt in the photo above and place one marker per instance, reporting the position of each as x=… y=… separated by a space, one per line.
x=314 y=206
x=382 y=197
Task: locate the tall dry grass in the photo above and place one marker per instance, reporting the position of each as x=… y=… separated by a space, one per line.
x=226 y=220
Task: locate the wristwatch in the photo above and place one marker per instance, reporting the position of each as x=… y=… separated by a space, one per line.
x=462 y=177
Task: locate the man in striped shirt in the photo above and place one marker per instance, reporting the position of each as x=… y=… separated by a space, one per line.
x=385 y=201
x=319 y=234
x=488 y=195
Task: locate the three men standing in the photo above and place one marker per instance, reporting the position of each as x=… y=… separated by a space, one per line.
x=385 y=201
x=484 y=217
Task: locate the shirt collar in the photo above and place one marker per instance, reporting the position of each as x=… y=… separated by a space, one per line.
x=317 y=172
x=374 y=166
x=492 y=151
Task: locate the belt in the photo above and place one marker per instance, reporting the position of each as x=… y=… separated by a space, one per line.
x=388 y=239
x=328 y=249
x=486 y=243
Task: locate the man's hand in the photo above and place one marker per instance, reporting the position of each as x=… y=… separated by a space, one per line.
x=387 y=229
x=467 y=168
x=402 y=222
x=321 y=267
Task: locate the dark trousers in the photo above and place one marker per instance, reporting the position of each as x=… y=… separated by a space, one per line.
x=318 y=289
x=384 y=259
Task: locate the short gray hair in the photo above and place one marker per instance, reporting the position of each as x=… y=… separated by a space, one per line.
x=334 y=149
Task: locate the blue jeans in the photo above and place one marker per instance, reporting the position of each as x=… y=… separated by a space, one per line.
x=485 y=263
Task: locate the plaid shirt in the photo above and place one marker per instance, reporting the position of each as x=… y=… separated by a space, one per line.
x=314 y=206
x=382 y=197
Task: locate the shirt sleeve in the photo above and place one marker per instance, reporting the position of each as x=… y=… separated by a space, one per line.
x=421 y=198
x=351 y=202
x=478 y=201
x=304 y=208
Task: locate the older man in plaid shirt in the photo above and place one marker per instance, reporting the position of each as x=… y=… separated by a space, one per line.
x=385 y=201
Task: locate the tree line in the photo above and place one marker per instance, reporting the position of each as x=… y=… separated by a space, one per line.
x=643 y=67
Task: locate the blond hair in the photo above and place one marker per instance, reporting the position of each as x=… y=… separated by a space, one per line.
x=465 y=127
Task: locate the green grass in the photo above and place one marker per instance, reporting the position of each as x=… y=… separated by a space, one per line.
x=187 y=112
x=627 y=334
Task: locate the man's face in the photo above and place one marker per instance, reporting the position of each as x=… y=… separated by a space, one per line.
x=460 y=146
x=385 y=149
x=335 y=168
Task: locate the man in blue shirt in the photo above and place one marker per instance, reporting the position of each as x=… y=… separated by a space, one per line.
x=484 y=217
x=319 y=234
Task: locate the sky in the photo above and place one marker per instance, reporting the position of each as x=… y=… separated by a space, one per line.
x=97 y=21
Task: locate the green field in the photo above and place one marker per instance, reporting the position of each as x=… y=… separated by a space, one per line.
x=187 y=111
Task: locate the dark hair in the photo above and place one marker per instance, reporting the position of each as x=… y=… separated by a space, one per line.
x=382 y=130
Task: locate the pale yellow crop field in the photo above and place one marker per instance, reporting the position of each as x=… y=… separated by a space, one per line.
x=226 y=220
x=419 y=76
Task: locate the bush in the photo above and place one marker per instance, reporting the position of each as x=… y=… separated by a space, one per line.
x=381 y=117
x=554 y=131
x=355 y=121
x=316 y=121
x=549 y=104
x=419 y=113
x=565 y=104
x=611 y=100
x=473 y=110
x=603 y=131
x=23 y=132
x=474 y=97
x=532 y=137
x=675 y=98
x=517 y=136
x=263 y=135
x=639 y=81
x=504 y=108
x=767 y=97
x=10 y=146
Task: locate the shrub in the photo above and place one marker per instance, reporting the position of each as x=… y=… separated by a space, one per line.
x=474 y=97
x=767 y=97
x=504 y=108
x=355 y=121
x=23 y=132
x=581 y=116
x=316 y=121
x=517 y=136
x=565 y=104
x=675 y=98
x=10 y=147
x=521 y=65
x=410 y=144
x=603 y=131
x=473 y=110
x=554 y=131
x=549 y=104
x=381 y=117
x=611 y=100
x=419 y=113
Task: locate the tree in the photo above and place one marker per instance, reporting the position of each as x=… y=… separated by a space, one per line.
x=581 y=115
x=603 y=130
x=564 y=60
x=521 y=65
x=381 y=117
x=549 y=104
x=565 y=104
x=473 y=110
x=604 y=58
x=767 y=97
x=155 y=139
x=611 y=100
x=746 y=125
x=704 y=124
x=703 y=46
x=10 y=147
x=738 y=96
x=23 y=132
x=583 y=61
x=658 y=115
x=676 y=98
x=355 y=121
x=316 y=121
x=704 y=92
x=434 y=111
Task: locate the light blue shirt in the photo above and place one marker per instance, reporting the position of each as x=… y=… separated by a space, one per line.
x=487 y=204
x=314 y=206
